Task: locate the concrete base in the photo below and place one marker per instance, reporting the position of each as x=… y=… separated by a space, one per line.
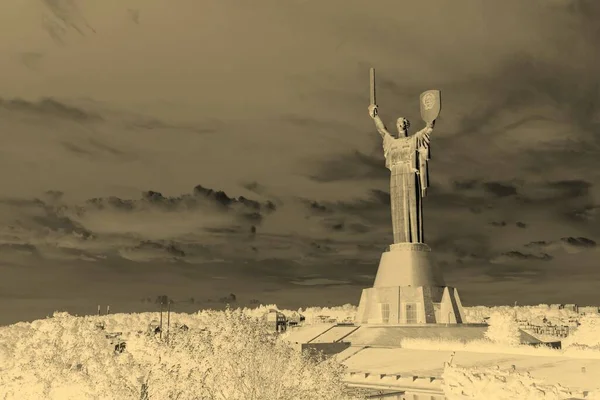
x=410 y=305
x=409 y=288
x=408 y=264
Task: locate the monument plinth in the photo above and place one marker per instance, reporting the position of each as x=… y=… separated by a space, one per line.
x=409 y=287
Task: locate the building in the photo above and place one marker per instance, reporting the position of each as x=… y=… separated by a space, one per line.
x=276 y=320
x=588 y=310
x=570 y=307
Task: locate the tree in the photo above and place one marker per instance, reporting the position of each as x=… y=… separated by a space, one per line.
x=587 y=333
x=236 y=357
x=503 y=328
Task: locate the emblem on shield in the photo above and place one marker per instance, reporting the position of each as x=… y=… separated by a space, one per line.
x=428 y=101
x=431 y=105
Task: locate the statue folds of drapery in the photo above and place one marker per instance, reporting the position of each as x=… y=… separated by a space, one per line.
x=407 y=159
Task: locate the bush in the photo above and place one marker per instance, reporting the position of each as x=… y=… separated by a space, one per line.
x=587 y=334
x=223 y=355
x=496 y=384
x=503 y=329
x=237 y=358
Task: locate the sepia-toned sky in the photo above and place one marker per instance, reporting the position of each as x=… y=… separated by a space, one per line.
x=131 y=128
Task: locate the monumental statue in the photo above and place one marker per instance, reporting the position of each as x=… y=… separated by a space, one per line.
x=407 y=159
x=409 y=287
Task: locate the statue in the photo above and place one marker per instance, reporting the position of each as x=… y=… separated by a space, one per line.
x=407 y=159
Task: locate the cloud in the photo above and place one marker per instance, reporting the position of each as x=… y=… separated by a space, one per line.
x=64 y=16
x=517 y=255
x=499 y=189
x=136 y=229
x=568 y=244
x=153 y=251
x=49 y=107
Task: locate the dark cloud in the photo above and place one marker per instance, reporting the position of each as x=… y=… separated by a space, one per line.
x=250 y=209
x=538 y=243
x=23 y=248
x=317 y=207
x=500 y=189
x=579 y=242
x=51 y=108
x=112 y=202
x=520 y=224
x=221 y=197
x=517 y=255
x=170 y=248
x=56 y=222
x=570 y=245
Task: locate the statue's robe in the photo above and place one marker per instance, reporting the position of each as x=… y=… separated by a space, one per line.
x=407 y=159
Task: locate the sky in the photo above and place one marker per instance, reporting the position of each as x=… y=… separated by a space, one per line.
x=202 y=148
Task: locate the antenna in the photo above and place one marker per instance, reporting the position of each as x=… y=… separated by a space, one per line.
x=161 y=310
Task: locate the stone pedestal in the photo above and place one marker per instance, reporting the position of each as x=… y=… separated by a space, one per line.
x=409 y=289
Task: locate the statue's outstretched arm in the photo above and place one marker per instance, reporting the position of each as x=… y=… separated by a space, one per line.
x=424 y=135
x=380 y=126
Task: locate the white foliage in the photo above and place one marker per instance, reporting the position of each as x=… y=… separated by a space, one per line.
x=503 y=329
x=587 y=334
x=495 y=384
x=223 y=356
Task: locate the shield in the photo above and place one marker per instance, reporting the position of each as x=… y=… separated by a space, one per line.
x=431 y=104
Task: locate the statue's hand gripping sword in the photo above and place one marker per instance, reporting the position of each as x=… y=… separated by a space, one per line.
x=373 y=102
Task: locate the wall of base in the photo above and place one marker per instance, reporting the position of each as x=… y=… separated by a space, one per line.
x=410 y=305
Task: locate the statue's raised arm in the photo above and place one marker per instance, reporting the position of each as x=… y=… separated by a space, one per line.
x=424 y=135
x=373 y=110
x=374 y=114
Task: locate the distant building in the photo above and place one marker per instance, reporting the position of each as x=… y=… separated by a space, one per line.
x=154 y=327
x=295 y=319
x=589 y=310
x=116 y=341
x=276 y=320
x=570 y=307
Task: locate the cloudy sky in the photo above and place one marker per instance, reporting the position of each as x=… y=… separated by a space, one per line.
x=201 y=148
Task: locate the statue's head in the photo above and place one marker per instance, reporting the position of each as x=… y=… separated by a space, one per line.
x=402 y=124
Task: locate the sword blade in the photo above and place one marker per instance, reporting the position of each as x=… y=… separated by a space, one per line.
x=372 y=83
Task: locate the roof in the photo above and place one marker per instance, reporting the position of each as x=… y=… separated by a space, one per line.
x=558 y=369
x=392 y=335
